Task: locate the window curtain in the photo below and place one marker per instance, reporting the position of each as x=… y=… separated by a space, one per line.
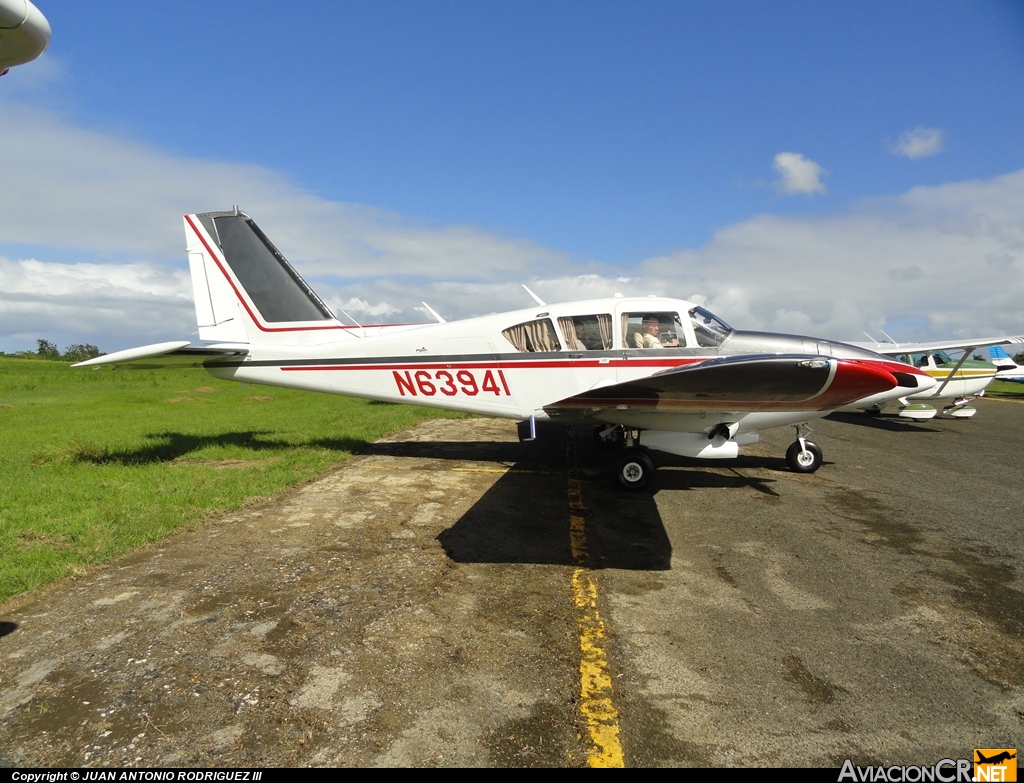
x=542 y=335
x=604 y=323
x=533 y=336
x=568 y=327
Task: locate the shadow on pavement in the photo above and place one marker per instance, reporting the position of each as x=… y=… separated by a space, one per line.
x=524 y=516
x=890 y=423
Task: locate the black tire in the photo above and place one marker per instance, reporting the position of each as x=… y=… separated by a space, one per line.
x=633 y=470
x=801 y=461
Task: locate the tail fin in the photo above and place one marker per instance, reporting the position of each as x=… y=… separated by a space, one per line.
x=245 y=290
x=1000 y=358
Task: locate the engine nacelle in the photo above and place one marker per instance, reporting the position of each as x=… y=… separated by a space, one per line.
x=696 y=444
x=24 y=33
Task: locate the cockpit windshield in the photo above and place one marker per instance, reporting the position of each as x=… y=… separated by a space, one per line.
x=710 y=330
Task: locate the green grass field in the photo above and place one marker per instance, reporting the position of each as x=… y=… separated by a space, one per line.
x=97 y=462
x=1005 y=389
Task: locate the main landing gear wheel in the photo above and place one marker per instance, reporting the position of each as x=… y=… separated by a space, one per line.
x=633 y=470
x=803 y=458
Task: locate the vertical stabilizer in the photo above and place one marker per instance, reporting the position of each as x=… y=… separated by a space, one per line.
x=1000 y=358
x=245 y=290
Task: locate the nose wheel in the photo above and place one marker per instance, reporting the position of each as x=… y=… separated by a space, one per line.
x=803 y=456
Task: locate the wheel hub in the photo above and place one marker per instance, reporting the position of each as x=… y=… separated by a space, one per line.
x=632 y=471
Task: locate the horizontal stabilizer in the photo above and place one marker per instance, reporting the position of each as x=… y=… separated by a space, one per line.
x=179 y=353
x=775 y=382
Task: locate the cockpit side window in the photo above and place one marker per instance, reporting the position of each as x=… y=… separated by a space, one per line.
x=652 y=330
x=918 y=359
x=533 y=336
x=710 y=330
x=587 y=332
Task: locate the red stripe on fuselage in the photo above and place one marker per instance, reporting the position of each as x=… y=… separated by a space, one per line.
x=490 y=364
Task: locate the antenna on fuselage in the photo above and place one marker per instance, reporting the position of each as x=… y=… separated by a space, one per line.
x=536 y=298
x=353 y=320
x=433 y=312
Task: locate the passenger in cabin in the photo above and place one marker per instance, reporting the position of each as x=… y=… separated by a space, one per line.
x=581 y=344
x=648 y=338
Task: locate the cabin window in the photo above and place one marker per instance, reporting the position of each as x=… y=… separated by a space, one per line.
x=652 y=330
x=709 y=330
x=587 y=332
x=533 y=336
x=918 y=359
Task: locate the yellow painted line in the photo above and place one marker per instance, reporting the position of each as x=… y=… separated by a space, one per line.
x=597 y=707
x=1004 y=399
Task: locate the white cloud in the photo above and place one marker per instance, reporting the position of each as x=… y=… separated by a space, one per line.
x=361 y=307
x=110 y=305
x=798 y=174
x=920 y=142
x=68 y=187
x=933 y=262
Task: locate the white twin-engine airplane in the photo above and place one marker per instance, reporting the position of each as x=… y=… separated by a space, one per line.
x=649 y=373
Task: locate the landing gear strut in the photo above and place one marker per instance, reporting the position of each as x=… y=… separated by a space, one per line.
x=609 y=436
x=803 y=456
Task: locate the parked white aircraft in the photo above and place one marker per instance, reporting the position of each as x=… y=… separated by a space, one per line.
x=1006 y=368
x=958 y=381
x=24 y=33
x=660 y=372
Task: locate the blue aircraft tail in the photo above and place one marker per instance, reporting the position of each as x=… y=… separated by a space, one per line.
x=997 y=352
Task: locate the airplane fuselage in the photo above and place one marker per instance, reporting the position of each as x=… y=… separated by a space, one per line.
x=969 y=379
x=472 y=366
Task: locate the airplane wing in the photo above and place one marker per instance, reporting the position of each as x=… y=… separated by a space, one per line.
x=173 y=354
x=745 y=383
x=894 y=349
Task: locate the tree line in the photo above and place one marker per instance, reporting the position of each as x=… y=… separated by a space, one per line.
x=49 y=350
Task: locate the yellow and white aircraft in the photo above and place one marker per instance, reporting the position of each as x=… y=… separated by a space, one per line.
x=648 y=373
x=958 y=381
x=24 y=33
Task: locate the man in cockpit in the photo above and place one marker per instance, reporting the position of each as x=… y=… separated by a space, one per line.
x=648 y=338
x=581 y=345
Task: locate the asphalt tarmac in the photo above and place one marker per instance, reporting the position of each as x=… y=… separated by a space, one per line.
x=453 y=597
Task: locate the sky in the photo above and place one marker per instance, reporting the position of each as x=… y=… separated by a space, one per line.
x=820 y=168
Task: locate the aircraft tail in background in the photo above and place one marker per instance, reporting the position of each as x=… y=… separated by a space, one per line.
x=1006 y=368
